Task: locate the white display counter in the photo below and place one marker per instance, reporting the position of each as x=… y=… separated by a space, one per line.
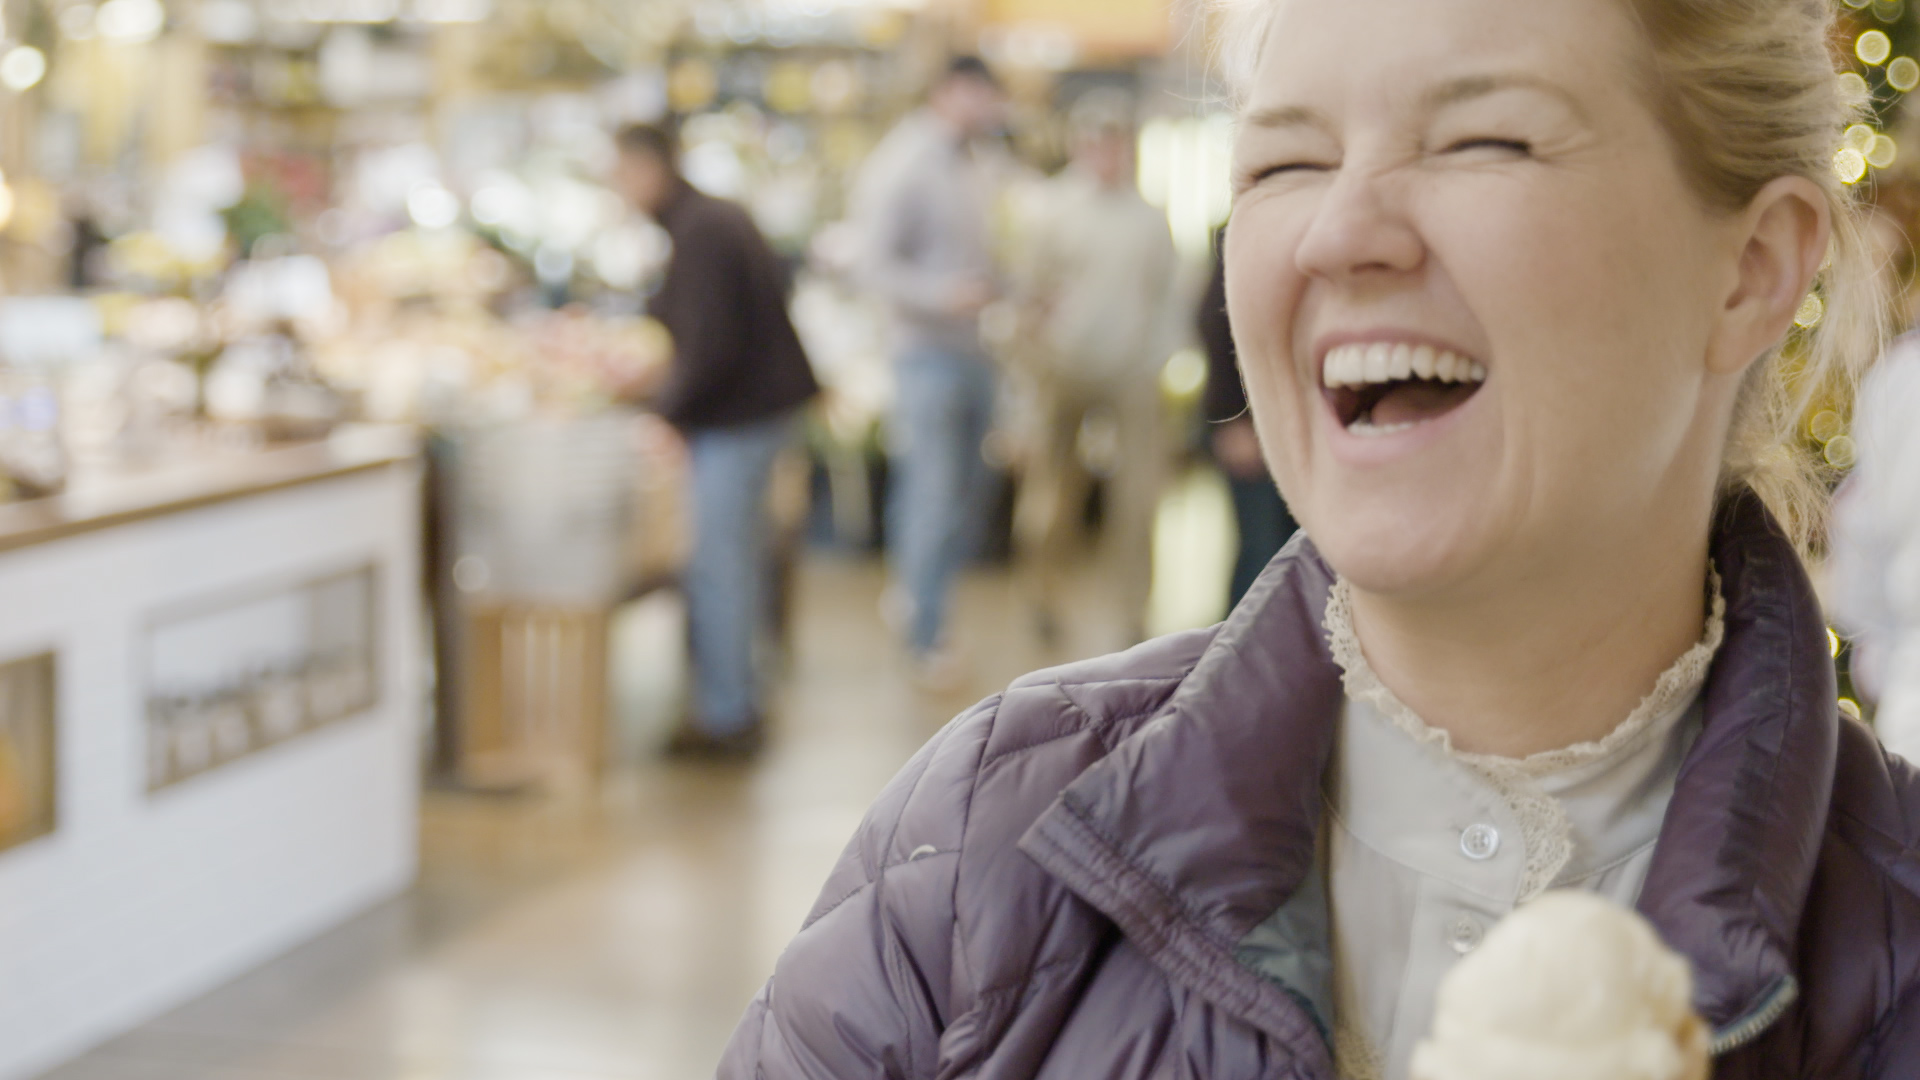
x=210 y=717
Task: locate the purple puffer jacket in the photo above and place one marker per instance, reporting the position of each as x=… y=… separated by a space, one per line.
x=1105 y=873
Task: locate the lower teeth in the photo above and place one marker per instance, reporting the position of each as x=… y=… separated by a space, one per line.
x=1367 y=429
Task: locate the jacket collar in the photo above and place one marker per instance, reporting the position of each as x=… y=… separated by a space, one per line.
x=1198 y=827
x=680 y=196
x=1203 y=823
x=1737 y=854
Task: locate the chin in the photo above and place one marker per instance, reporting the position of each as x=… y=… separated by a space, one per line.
x=1404 y=548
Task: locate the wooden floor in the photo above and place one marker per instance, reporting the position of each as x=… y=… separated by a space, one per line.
x=616 y=936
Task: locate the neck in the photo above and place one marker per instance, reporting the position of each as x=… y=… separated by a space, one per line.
x=1559 y=653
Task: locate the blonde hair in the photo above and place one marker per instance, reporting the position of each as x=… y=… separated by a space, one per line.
x=1748 y=93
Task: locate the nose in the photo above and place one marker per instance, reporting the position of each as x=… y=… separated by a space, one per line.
x=1359 y=229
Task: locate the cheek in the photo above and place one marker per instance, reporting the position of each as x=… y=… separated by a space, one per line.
x=1263 y=295
x=1590 y=303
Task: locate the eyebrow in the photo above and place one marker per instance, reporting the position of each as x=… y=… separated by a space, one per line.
x=1467 y=88
x=1449 y=93
x=1287 y=116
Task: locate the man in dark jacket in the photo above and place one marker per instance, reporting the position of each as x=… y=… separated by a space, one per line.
x=739 y=377
x=1110 y=869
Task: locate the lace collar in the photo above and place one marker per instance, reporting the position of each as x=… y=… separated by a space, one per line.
x=1544 y=825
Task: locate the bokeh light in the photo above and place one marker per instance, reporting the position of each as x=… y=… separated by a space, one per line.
x=1903 y=74
x=1853 y=88
x=1826 y=425
x=130 y=20
x=1873 y=47
x=22 y=68
x=1841 y=453
x=1850 y=165
x=432 y=206
x=1883 y=152
x=1812 y=310
x=1185 y=375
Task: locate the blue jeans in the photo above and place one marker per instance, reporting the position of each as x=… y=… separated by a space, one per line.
x=727 y=573
x=943 y=408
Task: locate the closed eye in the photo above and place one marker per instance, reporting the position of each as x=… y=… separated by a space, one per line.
x=1512 y=146
x=1288 y=167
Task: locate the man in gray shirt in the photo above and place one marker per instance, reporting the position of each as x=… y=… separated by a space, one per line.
x=925 y=204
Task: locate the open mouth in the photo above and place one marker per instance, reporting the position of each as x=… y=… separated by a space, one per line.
x=1380 y=389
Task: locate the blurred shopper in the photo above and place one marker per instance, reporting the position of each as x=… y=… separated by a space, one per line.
x=1258 y=510
x=739 y=377
x=1875 y=565
x=1512 y=327
x=925 y=200
x=1098 y=270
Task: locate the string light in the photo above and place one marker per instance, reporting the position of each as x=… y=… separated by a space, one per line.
x=1812 y=310
x=1903 y=74
x=1850 y=165
x=1827 y=426
x=1883 y=152
x=1841 y=453
x=1873 y=47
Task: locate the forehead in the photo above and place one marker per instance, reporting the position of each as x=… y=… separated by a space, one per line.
x=1314 y=48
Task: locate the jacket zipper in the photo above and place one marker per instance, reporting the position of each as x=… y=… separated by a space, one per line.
x=1755 y=1024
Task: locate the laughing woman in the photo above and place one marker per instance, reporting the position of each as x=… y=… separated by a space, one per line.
x=1509 y=284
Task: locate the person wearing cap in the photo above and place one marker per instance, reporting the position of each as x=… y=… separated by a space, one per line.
x=924 y=201
x=1097 y=271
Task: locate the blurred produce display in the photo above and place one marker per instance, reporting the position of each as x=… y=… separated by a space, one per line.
x=225 y=223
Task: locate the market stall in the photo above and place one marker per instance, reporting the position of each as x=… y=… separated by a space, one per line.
x=211 y=706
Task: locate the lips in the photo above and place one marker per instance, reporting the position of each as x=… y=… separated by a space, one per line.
x=1380 y=388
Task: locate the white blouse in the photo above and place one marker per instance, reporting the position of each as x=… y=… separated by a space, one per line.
x=1427 y=847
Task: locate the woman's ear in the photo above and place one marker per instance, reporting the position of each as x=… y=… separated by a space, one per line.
x=1784 y=236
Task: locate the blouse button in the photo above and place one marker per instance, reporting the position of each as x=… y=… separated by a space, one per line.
x=1464 y=934
x=1480 y=842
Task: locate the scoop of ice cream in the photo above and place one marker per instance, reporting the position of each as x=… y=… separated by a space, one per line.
x=1569 y=986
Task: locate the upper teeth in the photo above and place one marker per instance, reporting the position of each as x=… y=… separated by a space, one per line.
x=1362 y=365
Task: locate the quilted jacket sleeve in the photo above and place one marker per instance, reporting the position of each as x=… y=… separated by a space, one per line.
x=867 y=987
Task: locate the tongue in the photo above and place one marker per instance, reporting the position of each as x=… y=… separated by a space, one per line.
x=1418 y=400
